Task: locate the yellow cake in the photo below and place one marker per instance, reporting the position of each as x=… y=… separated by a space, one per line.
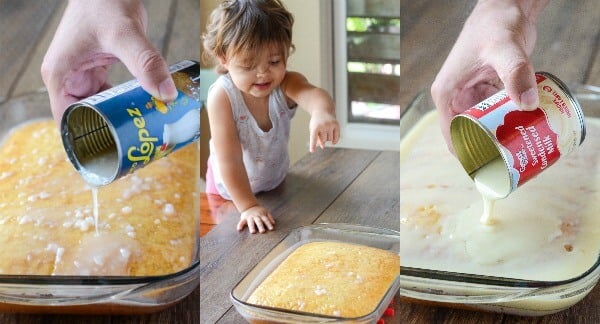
x=330 y=278
x=147 y=221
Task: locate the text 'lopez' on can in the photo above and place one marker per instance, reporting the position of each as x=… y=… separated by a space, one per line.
x=117 y=131
x=513 y=146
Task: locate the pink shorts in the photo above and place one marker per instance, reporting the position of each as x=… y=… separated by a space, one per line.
x=211 y=188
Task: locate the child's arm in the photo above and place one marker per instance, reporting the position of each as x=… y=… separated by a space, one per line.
x=323 y=126
x=229 y=157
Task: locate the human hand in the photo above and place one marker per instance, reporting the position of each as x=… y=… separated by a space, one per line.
x=491 y=52
x=92 y=35
x=256 y=217
x=323 y=128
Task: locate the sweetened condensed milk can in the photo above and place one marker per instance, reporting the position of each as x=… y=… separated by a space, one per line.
x=502 y=147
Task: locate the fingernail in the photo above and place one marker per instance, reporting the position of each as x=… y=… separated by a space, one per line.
x=529 y=99
x=167 y=90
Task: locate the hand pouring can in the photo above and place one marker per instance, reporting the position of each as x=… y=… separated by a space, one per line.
x=519 y=144
x=117 y=131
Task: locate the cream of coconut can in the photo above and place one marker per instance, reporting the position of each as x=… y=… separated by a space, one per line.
x=119 y=130
x=514 y=146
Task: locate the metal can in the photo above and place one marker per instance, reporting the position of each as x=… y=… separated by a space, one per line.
x=518 y=144
x=119 y=130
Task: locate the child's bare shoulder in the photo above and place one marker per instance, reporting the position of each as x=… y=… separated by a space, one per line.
x=217 y=97
x=294 y=82
x=293 y=77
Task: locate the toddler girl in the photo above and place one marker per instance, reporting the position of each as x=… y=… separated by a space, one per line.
x=251 y=104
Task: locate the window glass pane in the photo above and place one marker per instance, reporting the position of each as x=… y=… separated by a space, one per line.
x=373 y=8
x=373 y=67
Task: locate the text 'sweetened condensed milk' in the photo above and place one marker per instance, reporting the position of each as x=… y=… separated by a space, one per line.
x=502 y=147
x=117 y=131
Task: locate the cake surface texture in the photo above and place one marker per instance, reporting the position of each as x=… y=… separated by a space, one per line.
x=146 y=221
x=330 y=278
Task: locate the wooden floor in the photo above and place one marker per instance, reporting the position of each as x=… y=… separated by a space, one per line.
x=26 y=29
x=212 y=211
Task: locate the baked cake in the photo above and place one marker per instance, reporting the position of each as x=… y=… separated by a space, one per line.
x=147 y=221
x=330 y=278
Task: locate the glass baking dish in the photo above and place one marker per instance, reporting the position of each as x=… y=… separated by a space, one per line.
x=93 y=294
x=494 y=293
x=375 y=237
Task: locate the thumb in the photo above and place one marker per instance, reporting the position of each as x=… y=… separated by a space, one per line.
x=146 y=64
x=516 y=72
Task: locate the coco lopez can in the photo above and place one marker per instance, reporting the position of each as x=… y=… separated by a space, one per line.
x=502 y=147
x=117 y=131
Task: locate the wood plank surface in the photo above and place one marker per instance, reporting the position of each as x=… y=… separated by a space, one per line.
x=372 y=199
x=427 y=31
x=567 y=39
x=568 y=46
x=184 y=40
x=30 y=80
x=172 y=28
x=20 y=24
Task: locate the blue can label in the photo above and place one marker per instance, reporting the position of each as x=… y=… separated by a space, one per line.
x=144 y=128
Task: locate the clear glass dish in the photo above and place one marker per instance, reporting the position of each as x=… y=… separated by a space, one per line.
x=490 y=293
x=87 y=294
x=385 y=239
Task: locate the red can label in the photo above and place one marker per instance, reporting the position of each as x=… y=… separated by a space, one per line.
x=531 y=141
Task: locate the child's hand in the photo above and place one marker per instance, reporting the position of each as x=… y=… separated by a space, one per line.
x=323 y=128
x=254 y=217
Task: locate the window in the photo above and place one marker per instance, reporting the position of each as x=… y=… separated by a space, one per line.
x=367 y=72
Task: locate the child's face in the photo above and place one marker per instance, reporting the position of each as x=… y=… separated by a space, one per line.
x=257 y=76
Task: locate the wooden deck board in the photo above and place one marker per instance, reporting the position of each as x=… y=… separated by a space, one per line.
x=21 y=24
x=184 y=42
x=566 y=44
x=30 y=80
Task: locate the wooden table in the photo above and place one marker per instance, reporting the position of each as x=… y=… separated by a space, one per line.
x=26 y=31
x=567 y=46
x=330 y=186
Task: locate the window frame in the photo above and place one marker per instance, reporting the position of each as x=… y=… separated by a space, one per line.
x=358 y=135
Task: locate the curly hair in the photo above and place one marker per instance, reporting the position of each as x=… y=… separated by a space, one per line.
x=247 y=26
